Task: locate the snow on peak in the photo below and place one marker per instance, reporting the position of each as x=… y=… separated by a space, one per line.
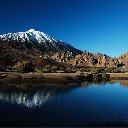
x=29 y=35
x=31 y=30
x=40 y=36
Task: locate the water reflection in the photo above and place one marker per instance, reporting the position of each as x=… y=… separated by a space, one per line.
x=32 y=96
x=26 y=99
x=86 y=84
x=29 y=95
x=123 y=83
x=88 y=104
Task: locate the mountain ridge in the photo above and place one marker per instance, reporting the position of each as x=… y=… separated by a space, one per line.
x=29 y=35
x=39 y=39
x=35 y=45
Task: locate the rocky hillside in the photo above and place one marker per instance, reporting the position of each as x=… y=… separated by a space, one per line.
x=123 y=59
x=86 y=59
x=30 y=45
x=37 y=46
x=37 y=41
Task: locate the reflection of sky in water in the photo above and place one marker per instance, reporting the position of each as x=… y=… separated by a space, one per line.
x=32 y=99
x=29 y=100
x=66 y=105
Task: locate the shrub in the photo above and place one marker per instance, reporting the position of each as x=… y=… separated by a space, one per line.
x=105 y=76
x=54 y=69
x=110 y=70
x=97 y=70
x=79 y=73
x=82 y=69
x=70 y=70
x=48 y=69
x=24 y=66
x=120 y=65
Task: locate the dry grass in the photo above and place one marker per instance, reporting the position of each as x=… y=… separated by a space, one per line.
x=44 y=77
x=118 y=75
x=57 y=76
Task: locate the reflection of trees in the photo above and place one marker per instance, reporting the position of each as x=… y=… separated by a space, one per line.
x=33 y=97
x=86 y=84
x=123 y=83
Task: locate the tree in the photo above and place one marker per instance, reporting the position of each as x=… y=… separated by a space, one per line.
x=24 y=66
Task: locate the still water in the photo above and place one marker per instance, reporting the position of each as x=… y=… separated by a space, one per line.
x=102 y=104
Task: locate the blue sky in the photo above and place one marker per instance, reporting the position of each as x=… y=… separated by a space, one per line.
x=93 y=25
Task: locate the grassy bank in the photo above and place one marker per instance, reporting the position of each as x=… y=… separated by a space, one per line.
x=118 y=76
x=42 y=77
x=77 y=77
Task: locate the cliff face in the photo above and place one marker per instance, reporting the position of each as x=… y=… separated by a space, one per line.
x=123 y=59
x=86 y=59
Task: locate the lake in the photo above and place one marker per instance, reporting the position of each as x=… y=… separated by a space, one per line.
x=87 y=104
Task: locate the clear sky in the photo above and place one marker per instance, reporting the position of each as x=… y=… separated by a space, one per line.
x=93 y=25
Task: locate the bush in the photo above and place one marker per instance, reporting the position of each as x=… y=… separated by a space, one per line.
x=82 y=69
x=70 y=70
x=105 y=76
x=48 y=69
x=97 y=70
x=54 y=69
x=110 y=70
x=24 y=66
x=79 y=73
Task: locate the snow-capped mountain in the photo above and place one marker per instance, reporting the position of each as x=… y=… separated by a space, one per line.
x=30 y=35
x=39 y=40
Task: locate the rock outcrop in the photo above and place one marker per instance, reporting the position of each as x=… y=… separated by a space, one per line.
x=35 y=45
x=86 y=59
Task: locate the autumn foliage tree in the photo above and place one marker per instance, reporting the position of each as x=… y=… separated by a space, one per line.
x=24 y=66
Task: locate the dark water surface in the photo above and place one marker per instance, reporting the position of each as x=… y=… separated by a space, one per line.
x=104 y=104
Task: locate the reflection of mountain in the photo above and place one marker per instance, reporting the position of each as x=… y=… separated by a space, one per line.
x=32 y=97
x=29 y=100
x=124 y=83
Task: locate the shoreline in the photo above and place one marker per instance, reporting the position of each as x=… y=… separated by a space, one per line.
x=54 y=77
x=118 y=76
x=47 y=78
